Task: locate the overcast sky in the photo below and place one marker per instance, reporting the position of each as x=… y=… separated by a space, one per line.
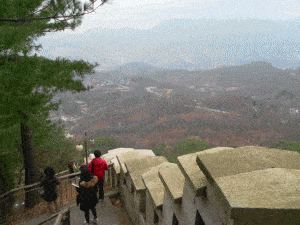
x=144 y=14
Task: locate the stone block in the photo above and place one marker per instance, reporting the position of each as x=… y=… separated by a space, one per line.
x=173 y=180
x=136 y=154
x=136 y=167
x=154 y=185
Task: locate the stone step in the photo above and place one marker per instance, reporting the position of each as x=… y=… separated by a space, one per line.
x=105 y=213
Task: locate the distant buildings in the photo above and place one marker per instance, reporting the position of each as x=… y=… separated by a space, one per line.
x=294 y=111
x=63 y=118
x=69 y=135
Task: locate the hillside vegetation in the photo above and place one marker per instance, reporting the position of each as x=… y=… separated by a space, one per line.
x=252 y=104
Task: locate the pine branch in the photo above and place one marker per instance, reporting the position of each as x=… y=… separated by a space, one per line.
x=52 y=17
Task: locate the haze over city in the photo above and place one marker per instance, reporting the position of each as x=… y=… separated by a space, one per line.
x=189 y=32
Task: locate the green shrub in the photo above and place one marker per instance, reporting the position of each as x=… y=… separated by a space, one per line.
x=104 y=144
x=292 y=146
x=190 y=146
x=234 y=146
x=186 y=146
x=160 y=149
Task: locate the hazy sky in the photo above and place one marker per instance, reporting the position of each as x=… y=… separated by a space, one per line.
x=144 y=14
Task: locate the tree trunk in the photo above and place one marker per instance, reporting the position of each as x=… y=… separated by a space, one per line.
x=31 y=197
x=6 y=203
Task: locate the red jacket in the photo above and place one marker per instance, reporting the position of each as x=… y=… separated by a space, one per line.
x=99 y=165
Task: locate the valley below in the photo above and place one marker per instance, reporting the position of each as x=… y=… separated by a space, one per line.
x=252 y=104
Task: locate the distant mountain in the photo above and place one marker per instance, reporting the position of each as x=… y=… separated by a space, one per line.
x=133 y=69
x=185 y=44
x=136 y=67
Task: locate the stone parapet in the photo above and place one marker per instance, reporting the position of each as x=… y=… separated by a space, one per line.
x=110 y=157
x=139 y=166
x=173 y=180
x=254 y=184
x=274 y=188
x=136 y=154
x=244 y=159
x=154 y=185
x=245 y=185
x=192 y=172
x=111 y=154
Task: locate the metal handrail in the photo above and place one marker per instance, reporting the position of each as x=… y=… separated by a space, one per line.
x=62 y=216
x=13 y=201
x=66 y=195
x=50 y=218
x=36 y=184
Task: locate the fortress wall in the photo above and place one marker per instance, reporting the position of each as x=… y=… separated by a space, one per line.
x=157 y=192
x=150 y=209
x=210 y=208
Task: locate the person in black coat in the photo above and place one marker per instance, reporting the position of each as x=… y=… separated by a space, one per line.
x=49 y=184
x=71 y=168
x=87 y=194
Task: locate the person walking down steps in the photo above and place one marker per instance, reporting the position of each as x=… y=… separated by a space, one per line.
x=97 y=167
x=49 y=184
x=87 y=195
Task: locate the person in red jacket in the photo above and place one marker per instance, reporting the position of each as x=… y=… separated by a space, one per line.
x=97 y=167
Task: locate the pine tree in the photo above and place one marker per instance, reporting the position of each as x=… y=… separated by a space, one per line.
x=28 y=82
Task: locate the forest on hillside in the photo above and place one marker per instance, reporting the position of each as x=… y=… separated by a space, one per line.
x=252 y=104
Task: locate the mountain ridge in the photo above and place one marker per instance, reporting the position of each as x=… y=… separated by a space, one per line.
x=186 y=44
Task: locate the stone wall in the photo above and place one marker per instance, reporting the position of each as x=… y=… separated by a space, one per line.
x=216 y=186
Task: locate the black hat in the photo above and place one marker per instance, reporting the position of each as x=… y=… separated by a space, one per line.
x=85 y=174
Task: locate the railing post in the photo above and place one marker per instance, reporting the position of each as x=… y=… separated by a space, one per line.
x=63 y=218
x=110 y=176
x=58 y=219
x=106 y=175
x=113 y=175
x=66 y=219
x=31 y=197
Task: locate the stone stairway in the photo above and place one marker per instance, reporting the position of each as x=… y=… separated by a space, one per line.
x=105 y=212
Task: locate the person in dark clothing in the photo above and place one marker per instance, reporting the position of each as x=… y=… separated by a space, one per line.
x=82 y=166
x=71 y=166
x=49 y=184
x=97 y=167
x=87 y=194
